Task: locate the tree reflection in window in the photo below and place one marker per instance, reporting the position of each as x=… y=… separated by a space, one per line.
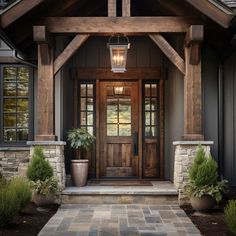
x=15 y=103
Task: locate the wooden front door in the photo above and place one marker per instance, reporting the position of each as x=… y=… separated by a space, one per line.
x=119 y=129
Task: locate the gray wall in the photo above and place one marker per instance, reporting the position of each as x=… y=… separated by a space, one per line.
x=229 y=80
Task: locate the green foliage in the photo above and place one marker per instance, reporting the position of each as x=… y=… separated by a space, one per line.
x=80 y=138
x=203 y=177
x=14 y=195
x=39 y=168
x=230 y=215
x=45 y=187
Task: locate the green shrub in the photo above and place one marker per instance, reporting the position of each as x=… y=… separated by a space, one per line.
x=14 y=195
x=39 y=168
x=45 y=187
x=23 y=190
x=230 y=215
x=203 y=177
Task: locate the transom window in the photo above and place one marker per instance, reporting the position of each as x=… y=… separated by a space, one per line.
x=87 y=91
x=15 y=104
x=151 y=109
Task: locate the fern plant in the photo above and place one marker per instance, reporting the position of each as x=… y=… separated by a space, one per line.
x=203 y=177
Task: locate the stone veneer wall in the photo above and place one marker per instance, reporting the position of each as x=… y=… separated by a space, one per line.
x=184 y=154
x=14 y=161
x=54 y=152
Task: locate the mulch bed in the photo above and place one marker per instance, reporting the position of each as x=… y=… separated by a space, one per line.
x=212 y=224
x=30 y=221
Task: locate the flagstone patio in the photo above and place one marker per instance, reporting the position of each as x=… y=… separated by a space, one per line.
x=119 y=219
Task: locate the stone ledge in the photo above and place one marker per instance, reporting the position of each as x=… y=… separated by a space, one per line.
x=46 y=143
x=14 y=149
x=175 y=143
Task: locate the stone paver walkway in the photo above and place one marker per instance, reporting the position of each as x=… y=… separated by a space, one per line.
x=119 y=219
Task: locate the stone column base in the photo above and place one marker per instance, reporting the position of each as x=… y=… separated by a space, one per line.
x=184 y=154
x=54 y=152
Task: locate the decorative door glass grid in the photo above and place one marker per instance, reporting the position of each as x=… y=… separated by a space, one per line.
x=15 y=103
x=87 y=107
x=151 y=109
x=118 y=111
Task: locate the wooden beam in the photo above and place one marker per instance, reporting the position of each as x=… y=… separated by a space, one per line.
x=68 y=52
x=45 y=98
x=112 y=25
x=169 y=51
x=112 y=8
x=107 y=74
x=126 y=8
x=212 y=11
x=18 y=10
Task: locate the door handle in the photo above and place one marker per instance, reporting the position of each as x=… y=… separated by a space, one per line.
x=135 y=145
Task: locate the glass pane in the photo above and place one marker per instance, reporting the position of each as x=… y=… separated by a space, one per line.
x=147 y=104
x=22 y=105
x=147 y=90
x=147 y=118
x=89 y=118
x=83 y=104
x=9 y=120
x=23 y=89
x=154 y=131
x=9 y=74
x=10 y=105
x=112 y=110
x=90 y=129
x=124 y=110
x=23 y=74
x=9 y=135
x=89 y=104
x=112 y=130
x=9 y=89
x=154 y=90
x=82 y=118
x=90 y=90
x=83 y=90
x=22 y=134
x=154 y=118
x=125 y=130
x=153 y=104
x=147 y=131
x=22 y=120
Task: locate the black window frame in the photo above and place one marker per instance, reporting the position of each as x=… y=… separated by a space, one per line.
x=30 y=106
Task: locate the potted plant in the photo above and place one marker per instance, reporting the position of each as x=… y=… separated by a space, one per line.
x=40 y=174
x=80 y=139
x=203 y=186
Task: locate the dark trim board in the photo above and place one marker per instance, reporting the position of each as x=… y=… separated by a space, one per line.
x=107 y=74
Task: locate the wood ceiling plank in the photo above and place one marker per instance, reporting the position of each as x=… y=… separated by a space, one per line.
x=108 y=25
x=112 y=8
x=169 y=51
x=126 y=8
x=68 y=52
x=17 y=11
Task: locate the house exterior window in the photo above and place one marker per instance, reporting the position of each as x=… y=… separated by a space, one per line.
x=87 y=107
x=16 y=110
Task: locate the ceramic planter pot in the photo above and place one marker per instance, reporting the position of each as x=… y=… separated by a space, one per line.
x=79 y=172
x=42 y=200
x=204 y=203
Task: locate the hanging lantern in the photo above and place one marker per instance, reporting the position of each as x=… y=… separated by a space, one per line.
x=118 y=46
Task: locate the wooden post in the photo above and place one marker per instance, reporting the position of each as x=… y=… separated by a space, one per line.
x=126 y=8
x=193 y=85
x=45 y=98
x=112 y=8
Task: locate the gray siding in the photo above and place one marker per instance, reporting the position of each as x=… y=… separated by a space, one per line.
x=230 y=119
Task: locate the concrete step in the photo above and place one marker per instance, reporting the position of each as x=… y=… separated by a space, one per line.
x=162 y=192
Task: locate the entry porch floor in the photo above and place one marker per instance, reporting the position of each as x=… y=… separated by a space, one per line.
x=120 y=220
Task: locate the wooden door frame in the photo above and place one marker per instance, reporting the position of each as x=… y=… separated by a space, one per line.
x=140 y=124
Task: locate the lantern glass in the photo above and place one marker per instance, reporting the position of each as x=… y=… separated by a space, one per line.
x=118 y=56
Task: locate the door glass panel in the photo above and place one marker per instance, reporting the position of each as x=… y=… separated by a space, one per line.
x=89 y=104
x=89 y=118
x=154 y=117
x=125 y=130
x=118 y=111
x=83 y=104
x=90 y=90
x=22 y=120
x=10 y=135
x=83 y=118
x=124 y=111
x=153 y=104
x=23 y=89
x=154 y=90
x=22 y=134
x=22 y=105
x=147 y=90
x=9 y=120
x=112 y=130
x=9 y=89
x=10 y=105
x=83 y=90
x=9 y=74
x=147 y=118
